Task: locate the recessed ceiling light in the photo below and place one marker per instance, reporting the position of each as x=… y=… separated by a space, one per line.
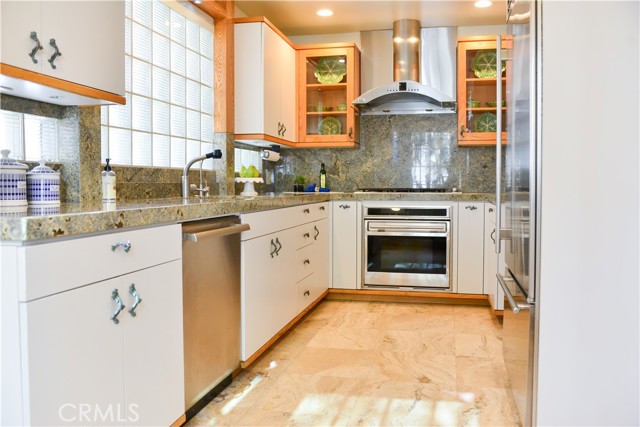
x=324 y=12
x=482 y=3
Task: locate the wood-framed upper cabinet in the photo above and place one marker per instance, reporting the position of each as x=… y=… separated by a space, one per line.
x=81 y=55
x=328 y=81
x=265 y=86
x=477 y=107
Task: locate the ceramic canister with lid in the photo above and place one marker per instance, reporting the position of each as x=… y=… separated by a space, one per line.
x=43 y=185
x=13 y=181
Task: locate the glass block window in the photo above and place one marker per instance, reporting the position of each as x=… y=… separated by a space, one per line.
x=168 y=118
x=244 y=157
x=29 y=137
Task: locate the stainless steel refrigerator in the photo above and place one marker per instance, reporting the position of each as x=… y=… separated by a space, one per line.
x=517 y=194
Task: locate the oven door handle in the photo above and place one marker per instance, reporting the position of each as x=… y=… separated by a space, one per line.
x=407 y=227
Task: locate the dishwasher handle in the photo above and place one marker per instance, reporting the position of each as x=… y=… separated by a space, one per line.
x=196 y=237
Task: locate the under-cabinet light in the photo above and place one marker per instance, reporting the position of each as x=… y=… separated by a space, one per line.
x=324 y=12
x=482 y=3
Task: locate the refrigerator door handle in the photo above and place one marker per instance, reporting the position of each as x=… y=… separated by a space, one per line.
x=501 y=233
x=515 y=305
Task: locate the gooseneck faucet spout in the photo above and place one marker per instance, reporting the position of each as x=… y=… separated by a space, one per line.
x=216 y=154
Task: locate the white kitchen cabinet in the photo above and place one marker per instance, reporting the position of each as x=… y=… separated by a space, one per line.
x=491 y=258
x=470 y=248
x=265 y=87
x=268 y=299
x=315 y=274
x=284 y=255
x=88 y=34
x=345 y=245
x=78 y=366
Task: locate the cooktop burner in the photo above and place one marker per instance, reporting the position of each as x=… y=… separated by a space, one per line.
x=405 y=190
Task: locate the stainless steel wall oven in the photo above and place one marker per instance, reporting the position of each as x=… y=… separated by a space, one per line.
x=407 y=247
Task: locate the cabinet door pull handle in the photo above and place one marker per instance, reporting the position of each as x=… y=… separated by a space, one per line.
x=492 y=234
x=274 y=248
x=317 y=233
x=490 y=209
x=306 y=211
x=462 y=131
x=119 y=306
x=345 y=206
x=55 y=55
x=471 y=208
x=279 y=246
x=306 y=261
x=321 y=208
x=307 y=293
x=125 y=245
x=279 y=128
x=350 y=132
x=136 y=299
x=306 y=235
x=284 y=129
x=36 y=48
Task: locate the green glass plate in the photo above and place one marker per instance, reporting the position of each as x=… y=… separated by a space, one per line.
x=330 y=70
x=483 y=64
x=485 y=122
x=329 y=126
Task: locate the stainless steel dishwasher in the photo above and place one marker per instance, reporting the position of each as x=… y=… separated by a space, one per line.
x=211 y=306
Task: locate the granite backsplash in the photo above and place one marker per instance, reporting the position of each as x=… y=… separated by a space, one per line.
x=395 y=151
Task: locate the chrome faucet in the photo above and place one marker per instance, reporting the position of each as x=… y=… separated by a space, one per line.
x=216 y=154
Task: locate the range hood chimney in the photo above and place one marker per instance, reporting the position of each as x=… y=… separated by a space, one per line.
x=423 y=73
x=406 y=50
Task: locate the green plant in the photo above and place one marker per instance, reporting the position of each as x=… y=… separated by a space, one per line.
x=299 y=180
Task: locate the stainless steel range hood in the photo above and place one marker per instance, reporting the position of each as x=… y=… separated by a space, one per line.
x=424 y=73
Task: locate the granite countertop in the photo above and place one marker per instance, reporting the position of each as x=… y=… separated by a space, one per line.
x=71 y=219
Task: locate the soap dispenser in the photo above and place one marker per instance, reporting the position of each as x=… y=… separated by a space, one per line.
x=108 y=184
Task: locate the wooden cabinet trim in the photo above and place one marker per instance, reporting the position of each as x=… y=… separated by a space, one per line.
x=75 y=88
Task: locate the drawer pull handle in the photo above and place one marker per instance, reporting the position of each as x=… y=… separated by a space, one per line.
x=350 y=133
x=471 y=208
x=306 y=235
x=307 y=261
x=279 y=246
x=36 y=48
x=306 y=211
x=119 y=306
x=345 y=206
x=136 y=299
x=55 y=55
x=125 y=245
x=317 y=233
x=321 y=208
x=307 y=293
x=274 y=248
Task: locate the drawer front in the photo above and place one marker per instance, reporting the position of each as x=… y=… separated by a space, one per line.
x=305 y=262
x=267 y=222
x=50 y=268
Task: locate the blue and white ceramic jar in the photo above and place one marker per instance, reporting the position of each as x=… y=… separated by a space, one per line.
x=13 y=181
x=43 y=185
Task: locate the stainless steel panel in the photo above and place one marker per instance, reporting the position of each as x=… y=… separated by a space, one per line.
x=211 y=298
x=438 y=59
x=409 y=280
x=518 y=347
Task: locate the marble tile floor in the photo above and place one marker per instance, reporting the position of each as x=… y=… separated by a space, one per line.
x=355 y=363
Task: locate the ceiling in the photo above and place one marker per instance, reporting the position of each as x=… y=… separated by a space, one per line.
x=298 y=17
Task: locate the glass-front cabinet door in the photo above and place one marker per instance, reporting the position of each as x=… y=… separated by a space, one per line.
x=328 y=81
x=477 y=84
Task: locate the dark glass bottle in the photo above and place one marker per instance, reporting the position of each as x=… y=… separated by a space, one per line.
x=323 y=176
